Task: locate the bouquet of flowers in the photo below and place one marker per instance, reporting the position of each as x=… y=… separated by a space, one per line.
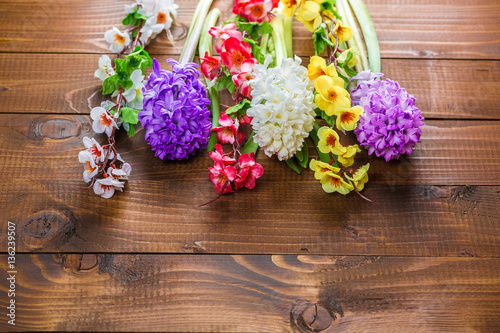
x=281 y=99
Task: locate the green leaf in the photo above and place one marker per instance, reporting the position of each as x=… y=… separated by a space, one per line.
x=329 y=119
x=252 y=28
x=225 y=82
x=110 y=84
x=129 y=19
x=320 y=40
x=303 y=155
x=232 y=19
x=265 y=28
x=140 y=50
x=120 y=66
x=139 y=16
x=256 y=50
x=250 y=146
x=125 y=83
x=239 y=109
x=129 y=115
x=292 y=163
x=131 y=130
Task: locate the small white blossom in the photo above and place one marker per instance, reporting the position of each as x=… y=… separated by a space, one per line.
x=90 y=168
x=106 y=187
x=282 y=107
x=105 y=68
x=120 y=174
x=134 y=96
x=94 y=148
x=102 y=121
x=117 y=40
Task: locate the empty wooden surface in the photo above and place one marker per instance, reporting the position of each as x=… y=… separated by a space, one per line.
x=255 y=293
x=283 y=257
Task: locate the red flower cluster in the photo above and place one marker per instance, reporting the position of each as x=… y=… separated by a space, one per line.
x=229 y=174
x=236 y=55
x=255 y=10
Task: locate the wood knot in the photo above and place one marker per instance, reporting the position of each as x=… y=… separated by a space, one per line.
x=54 y=128
x=47 y=230
x=179 y=31
x=78 y=262
x=311 y=317
x=316 y=318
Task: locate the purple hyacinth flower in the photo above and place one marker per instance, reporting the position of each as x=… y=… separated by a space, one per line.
x=390 y=125
x=175 y=114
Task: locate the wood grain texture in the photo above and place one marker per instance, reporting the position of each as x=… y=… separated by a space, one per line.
x=457 y=29
x=58 y=83
x=190 y=293
x=285 y=213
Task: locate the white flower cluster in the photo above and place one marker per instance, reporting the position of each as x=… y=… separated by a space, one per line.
x=282 y=107
x=159 y=16
x=95 y=157
x=133 y=96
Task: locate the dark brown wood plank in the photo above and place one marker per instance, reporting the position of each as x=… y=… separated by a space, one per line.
x=285 y=213
x=59 y=83
x=457 y=29
x=451 y=153
x=71 y=292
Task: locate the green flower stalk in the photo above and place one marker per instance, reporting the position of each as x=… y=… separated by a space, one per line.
x=357 y=40
x=187 y=54
x=370 y=37
x=213 y=95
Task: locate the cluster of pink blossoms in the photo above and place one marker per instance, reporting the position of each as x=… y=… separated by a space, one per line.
x=255 y=10
x=235 y=54
x=232 y=170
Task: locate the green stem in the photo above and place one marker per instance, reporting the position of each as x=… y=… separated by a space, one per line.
x=250 y=146
x=287 y=29
x=279 y=42
x=187 y=54
x=263 y=44
x=357 y=40
x=314 y=136
x=366 y=24
x=191 y=27
x=213 y=95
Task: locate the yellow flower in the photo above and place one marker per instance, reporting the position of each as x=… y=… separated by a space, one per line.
x=347 y=118
x=308 y=14
x=360 y=177
x=343 y=32
x=330 y=96
x=347 y=158
x=353 y=61
x=320 y=168
x=334 y=183
x=289 y=7
x=329 y=141
x=317 y=67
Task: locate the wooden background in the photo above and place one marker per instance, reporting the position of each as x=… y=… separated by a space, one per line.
x=284 y=257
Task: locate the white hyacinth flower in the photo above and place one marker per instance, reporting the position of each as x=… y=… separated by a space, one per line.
x=90 y=168
x=282 y=107
x=105 y=69
x=106 y=187
x=117 y=40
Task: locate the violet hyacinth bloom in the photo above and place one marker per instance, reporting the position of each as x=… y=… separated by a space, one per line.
x=390 y=125
x=175 y=114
